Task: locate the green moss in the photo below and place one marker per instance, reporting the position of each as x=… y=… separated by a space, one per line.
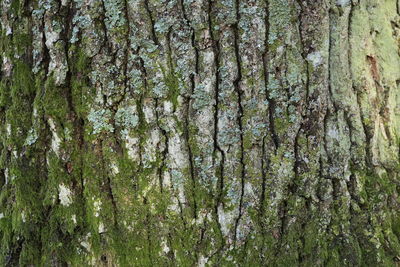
x=15 y=6
x=18 y=113
x=281 y=125
x=23 y=82
x=4 y=94
x=396 y=225
x=81 y=91
x=21 y=41
x=171 y=80
x=54 y=100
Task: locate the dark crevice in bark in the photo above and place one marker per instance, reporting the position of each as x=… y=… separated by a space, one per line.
x=191 y=164
x=305 y=50
x=349 y=123
x=283 y=212
x=108 y=187
x=148 y=232
x=292 y=186
x=351 y=188
x=217 y=149
x=165 y=151
x=13 y=255
x=336 y=188
x=117 y=146
x=201 y=239
x=128 y=47
x=325 y=144
x=329 y=112
x=142 y=70
x=170 y=62
x=302 y=256
x=171 y=254
x=265 y=161
x=271 y=111
x=347 y=115
x=105 y=42
x=153 y=30
x=383 y=112
x=188 y=108
x=398 y=7
x=122 y=96
x=46 y=52
x=297 y=160
x=271 y=102
x=236 y=84
x=29 y=51
x=65 y=35
x=181 y=213
x=81 y=146
x=368 y=134
x=76 y=121
x=330 y=93
x=281 y=73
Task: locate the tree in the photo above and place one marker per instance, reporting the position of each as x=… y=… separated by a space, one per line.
x=190 y=132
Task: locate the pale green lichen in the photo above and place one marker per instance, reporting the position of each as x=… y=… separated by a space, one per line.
x=114 y=13
x=126 y=117
x=31 y=138
x=100 y=120
x=162 y=25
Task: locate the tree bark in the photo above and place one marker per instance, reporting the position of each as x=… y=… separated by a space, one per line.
x=200 y=132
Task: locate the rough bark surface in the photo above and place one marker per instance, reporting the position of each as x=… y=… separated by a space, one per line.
x=199 y=132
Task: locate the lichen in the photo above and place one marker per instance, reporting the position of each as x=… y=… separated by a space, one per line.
x=100 y=120
x=64 y=195
x=127 y=117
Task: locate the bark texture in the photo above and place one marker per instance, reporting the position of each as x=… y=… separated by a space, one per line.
x=199 y=132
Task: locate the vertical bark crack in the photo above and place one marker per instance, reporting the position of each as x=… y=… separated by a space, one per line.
x=165 y=151
x=217 y=149
x=103 y=24
x=265 y=60
x=153 y=30
x=188 y=108
x=271 y=102
x=239 y=92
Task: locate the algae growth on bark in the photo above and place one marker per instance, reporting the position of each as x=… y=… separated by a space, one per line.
x=199 y=133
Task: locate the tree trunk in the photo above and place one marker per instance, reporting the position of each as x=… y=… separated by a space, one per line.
x=200 y=132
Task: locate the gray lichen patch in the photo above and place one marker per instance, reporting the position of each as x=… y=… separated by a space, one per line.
x=100 y=120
